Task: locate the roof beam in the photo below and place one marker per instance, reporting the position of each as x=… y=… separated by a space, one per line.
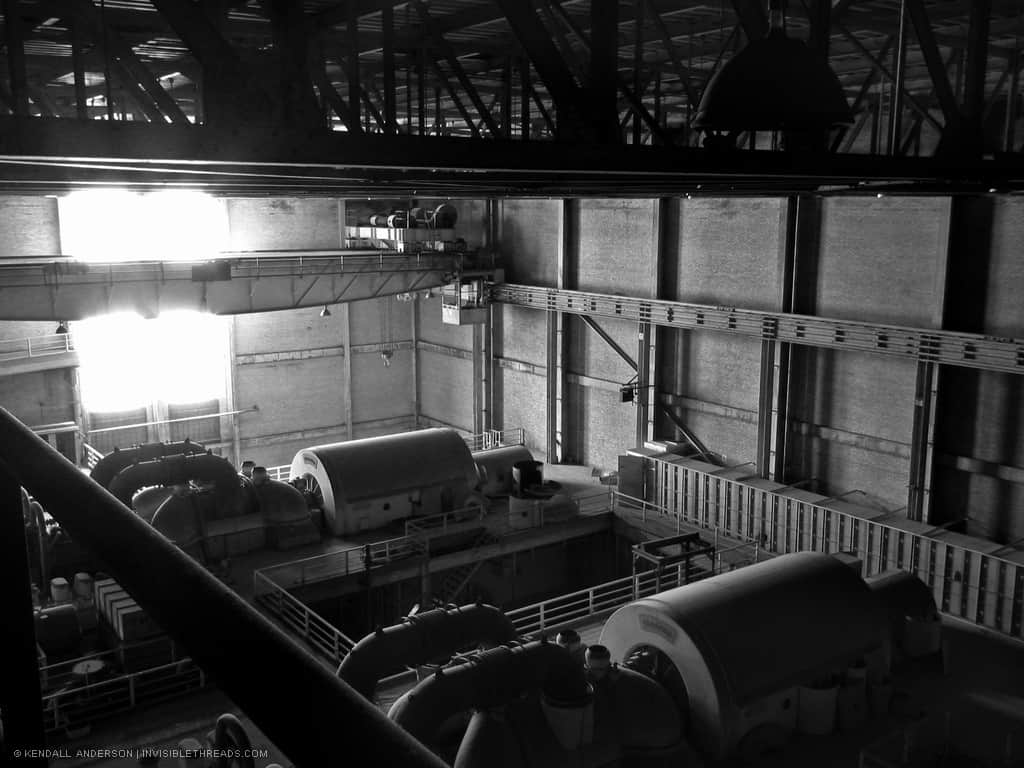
x=977 y=68
x=136 y=78
x=460 y=73
x=233 y=96
x=328 y=91
x=547 y=61
x=455 y=98
x=14 y=37
x=604 y=70
x=933 y=59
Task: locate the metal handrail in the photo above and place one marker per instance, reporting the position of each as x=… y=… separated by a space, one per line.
x=55 y=674
x=442 y=522
x=281 y=472
x=345 y=562
x=92 y=456
x=320 y=634
x=587 y=603
x=307 y=696
x=36 y=346
x=79 y=705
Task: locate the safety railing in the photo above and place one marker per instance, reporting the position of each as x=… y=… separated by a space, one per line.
x=947 y=740
x=496 y=438
x=36 y=346
x=281 y=472
x=352 y=560
x=732 y=550
x=91 y=455
x=576 y=607
x=322 y=636
x=61 y=673
x=968 y=580
x=343 y=562
x=75 y=707
x=444 y=522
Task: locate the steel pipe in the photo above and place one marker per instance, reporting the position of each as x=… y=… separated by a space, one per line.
x=308 y=713
x=172 y=470
x=493 y=678
x=420 y=639
x=107 y=467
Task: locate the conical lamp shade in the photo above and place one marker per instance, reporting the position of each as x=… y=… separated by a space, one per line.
x=775 y=83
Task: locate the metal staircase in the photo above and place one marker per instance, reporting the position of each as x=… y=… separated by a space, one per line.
x=456 y=579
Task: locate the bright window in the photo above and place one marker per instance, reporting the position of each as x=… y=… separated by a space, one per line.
x=127 y=362
x=117 y=225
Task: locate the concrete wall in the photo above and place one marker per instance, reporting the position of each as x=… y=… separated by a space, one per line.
x=445 y=368
x=979 y=436
x=42 y=397
x=530 y=241
x=28 y=227
x=302 y=400
x=880 y=260
x=729 y=254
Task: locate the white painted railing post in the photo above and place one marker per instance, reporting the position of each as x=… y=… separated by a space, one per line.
x=541 y=612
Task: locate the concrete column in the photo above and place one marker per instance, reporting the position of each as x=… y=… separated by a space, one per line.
x=655 y=340
x=231 y=390
x=416 y=359
x=346 y=341
x=478 y=379
x=780 y=363
x=557 y=336
x=952 y=416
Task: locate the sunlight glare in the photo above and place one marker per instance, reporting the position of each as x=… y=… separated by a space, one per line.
x=118 y=225
x=127 y=362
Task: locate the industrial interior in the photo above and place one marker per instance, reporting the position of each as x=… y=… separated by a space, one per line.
x=528 y=383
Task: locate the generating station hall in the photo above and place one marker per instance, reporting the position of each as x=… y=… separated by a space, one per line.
x=512 y=383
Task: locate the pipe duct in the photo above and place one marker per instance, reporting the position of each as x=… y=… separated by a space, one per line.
x=173 y=470
x=632 y=722
x=107 y=467
x=493 y=678
x=420 y=639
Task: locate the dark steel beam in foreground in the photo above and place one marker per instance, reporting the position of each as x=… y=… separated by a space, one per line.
x=20 y=697
x=15 y=43
x=307 y=712
x=752 y=18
